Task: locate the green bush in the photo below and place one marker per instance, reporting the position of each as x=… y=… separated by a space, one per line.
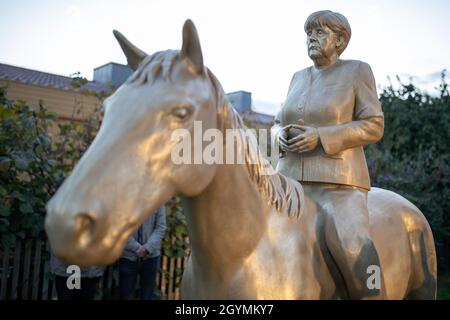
x=33 y=164
x=27 y=169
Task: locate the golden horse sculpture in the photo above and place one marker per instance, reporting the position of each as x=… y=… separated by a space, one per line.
x=254 y=234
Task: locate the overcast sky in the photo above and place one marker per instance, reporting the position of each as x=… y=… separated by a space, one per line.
x=250 y=45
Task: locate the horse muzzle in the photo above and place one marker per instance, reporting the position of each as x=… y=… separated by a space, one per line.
x=73 y=236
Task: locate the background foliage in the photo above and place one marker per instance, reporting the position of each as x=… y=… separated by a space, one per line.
x=27 y=169
x=37 y=152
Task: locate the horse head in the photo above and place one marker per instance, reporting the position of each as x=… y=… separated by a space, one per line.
x=127 y=172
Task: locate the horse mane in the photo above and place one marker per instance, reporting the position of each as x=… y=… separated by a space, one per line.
x=159 y=64
x=279 y=191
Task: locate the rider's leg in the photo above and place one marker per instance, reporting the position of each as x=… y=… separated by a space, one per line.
x=348 y=238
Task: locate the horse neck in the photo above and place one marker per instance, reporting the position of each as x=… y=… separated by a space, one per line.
x=226 y=221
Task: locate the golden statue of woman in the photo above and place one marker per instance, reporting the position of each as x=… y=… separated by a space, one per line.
x=331 y=111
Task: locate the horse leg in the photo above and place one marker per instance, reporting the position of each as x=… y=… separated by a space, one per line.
x=350 y=243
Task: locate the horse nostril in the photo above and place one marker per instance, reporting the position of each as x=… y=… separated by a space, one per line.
x=85 y=227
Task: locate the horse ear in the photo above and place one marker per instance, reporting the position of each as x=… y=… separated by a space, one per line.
x=191 y=46
x=134 y=54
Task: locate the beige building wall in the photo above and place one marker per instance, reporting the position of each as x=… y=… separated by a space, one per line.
x=63 y=103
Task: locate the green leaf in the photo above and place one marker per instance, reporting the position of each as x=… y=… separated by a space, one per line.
x=39 y=150
x=25 y=208
x=17 y=195
x=45 y=141
x=20 y=163
x=5 y=164
x=5 y=112
x=179 y=230
x=52 y=162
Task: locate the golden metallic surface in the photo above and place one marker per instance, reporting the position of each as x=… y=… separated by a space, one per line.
x=343 y=92
x=255 y=234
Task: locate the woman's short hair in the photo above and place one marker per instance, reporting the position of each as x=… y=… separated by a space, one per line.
x=333 y=20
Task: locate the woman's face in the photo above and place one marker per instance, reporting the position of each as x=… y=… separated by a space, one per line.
x=321 y=42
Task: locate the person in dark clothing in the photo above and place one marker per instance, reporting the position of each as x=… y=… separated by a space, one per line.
x=68 y=287
x=141 y=258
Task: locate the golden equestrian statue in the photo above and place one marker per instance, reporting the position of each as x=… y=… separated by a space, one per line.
x=255 y=233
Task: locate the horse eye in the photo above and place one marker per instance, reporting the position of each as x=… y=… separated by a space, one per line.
x=182 y=113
